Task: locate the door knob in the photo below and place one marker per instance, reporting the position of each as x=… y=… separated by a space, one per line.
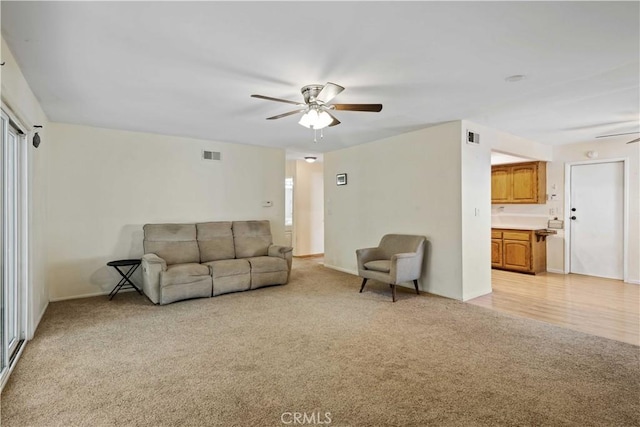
x=573 y=217
x=573 y=209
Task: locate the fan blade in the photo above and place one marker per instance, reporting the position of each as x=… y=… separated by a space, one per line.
x=279 y=116
x=268 y=98
x=616 y=134
x=634 y=140
x=375 y=108
x=335 y=121
x=328 y=92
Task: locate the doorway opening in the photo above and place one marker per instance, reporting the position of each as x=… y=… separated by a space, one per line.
x=304 y=206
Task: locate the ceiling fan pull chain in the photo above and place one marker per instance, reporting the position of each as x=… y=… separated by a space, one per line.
x=315 y=135
x=321 y=134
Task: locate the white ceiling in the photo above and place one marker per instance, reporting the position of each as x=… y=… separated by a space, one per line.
x=188 y=69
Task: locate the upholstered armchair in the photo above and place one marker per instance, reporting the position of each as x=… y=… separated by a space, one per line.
x=397 y=259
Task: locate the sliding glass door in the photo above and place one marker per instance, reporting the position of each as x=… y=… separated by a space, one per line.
x=12 y=214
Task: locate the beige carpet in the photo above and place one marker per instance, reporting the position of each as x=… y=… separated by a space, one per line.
x=315 y=346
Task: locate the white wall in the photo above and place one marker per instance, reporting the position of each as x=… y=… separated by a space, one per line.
x=18 y=97
x=413 y=184
x=476 y=210
x=308 y=209
x=105 y=184
x=612 y=149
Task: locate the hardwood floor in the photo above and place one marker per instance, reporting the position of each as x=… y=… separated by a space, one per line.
x=603 y=307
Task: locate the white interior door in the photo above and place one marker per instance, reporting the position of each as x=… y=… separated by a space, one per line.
x=597 y=219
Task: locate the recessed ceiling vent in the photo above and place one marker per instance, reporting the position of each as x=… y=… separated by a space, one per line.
x=473 y=138
x=211 y=155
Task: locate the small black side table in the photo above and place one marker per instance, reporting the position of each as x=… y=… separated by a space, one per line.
x=125 y=282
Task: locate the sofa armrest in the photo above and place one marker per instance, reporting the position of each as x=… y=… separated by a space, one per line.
x=282 y=252
x=279 y=251
x=154 y=259
x=152 y=266
x=368 y=254
x=405 y=267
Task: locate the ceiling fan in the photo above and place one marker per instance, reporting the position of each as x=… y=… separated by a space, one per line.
x=316 y=108
x=620 y=134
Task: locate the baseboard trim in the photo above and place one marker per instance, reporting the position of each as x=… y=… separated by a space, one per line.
x=344 y=270
x=38 y=320
x=308 y=256
x=96 y=294
x=553 y=270
x=475 y=295
x=633 y=282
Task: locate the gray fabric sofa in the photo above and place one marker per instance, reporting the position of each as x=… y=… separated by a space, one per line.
x=183 y=261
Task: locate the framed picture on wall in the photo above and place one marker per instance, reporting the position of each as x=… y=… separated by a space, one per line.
x=341 y=179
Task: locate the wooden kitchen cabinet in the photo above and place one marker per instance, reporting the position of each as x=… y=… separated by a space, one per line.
x=523 y=183
x=500 y=184
x=518 y=250
x=516 y=255
x=496 y=248
x=496 y=252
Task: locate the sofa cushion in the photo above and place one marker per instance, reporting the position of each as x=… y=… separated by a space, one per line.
x=267 y=271
x=381 y=265
x=228 y=267
x=251 y=238
x=215 y=240
x=267 y=264
x=230 y=275
x=179 y=274
x=199 y=289
x=174 y=243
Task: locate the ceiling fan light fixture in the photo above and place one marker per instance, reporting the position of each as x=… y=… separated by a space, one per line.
x=314 y=119
x=309 y=118
x=324 y=120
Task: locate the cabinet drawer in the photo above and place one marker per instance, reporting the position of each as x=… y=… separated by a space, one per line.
x=496 y=234
x=516 y=235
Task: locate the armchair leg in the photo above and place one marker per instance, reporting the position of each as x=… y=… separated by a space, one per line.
x=415 y=283
x=393 y=292
x=364 y=281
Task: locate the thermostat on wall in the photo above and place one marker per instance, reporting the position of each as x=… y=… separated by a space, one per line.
x=267 y=204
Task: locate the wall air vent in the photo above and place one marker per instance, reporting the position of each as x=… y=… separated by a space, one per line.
x=473 y=138
x=211 y=155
